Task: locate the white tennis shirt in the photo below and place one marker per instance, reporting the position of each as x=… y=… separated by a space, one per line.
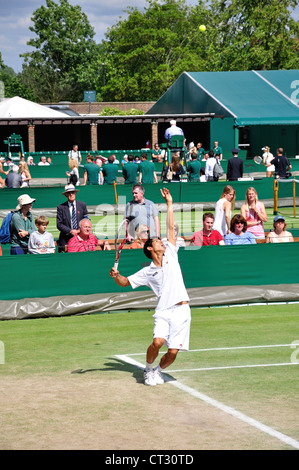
x=166 y=282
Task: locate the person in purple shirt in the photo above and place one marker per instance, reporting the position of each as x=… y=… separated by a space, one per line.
x=238 y=234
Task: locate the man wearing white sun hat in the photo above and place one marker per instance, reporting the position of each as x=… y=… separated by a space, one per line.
x=21 y=225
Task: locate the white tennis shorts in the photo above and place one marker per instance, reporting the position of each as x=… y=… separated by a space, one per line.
x=173 y=324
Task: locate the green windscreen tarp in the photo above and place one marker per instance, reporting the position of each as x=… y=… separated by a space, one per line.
x=60 y=284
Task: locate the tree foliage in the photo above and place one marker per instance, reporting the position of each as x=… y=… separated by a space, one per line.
x=255 y=35
x=59 y=67
x=145 y=52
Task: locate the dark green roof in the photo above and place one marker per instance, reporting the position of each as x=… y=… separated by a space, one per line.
x=252 y=98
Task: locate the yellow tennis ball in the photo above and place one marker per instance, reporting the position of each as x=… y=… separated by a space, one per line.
x=202 y=28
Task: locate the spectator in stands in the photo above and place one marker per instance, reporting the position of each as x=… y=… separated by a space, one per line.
x=73 y=174
x=141 y=236
x=238 y=234
x=84 y=240
x=172 y=130
x=192 y=149
x=207 y=236
x=43 y=161
x=99 y=161
x=13 y=179
x=200 y=151
x=41 y=242
x=91 y=172
x=175 y=169
x=217 y=150
x=69 y=214
x=223 y=210
x=202 y=175
x=30 y=161
x=180 y=242
x=234 y=167
x=124 y=160
x=115 y=160
x=210 y=163
x=147 y=171
x=193 y=168
x=130 y=171
x=8 y=162
x=282 y=164
x=157 y=154
x=2 y=182
x=255 y=213
x=279 y=234
x=21 y=225
x=25 y=174
x=141 y=211
x=110 y=171
x=75 y=154
x=49 y=160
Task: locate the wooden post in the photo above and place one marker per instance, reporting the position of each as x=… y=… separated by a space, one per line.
x=31 y=138
x=154 y=133
x=294 y=196
x=94 y=136
x=275 y=187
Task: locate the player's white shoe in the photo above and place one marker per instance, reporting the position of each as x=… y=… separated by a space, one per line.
x=158 y=377
x=149 y=377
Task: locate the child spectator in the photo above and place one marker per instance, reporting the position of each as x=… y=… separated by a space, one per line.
x=40 y=241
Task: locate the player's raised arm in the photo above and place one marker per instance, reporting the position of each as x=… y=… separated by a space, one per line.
x=122 y=281
x=170 y=228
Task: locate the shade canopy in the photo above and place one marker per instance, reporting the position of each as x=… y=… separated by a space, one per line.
x=251 y=98
x=17 y=107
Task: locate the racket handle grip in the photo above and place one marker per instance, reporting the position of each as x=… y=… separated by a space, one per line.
x=116 y=265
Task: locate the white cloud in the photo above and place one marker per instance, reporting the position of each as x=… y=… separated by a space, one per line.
x=15 y=20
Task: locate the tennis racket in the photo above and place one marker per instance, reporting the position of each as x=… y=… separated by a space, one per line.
x=258 y=159
x=120 y=241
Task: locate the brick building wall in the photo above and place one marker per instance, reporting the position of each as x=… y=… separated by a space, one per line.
x=95 y=108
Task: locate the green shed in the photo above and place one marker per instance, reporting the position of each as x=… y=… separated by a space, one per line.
x=250 y=109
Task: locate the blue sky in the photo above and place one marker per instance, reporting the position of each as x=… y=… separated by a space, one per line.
x=15 y=20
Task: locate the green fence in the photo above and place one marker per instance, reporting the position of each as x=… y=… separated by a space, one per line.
x=49 y=197
x=31 y=276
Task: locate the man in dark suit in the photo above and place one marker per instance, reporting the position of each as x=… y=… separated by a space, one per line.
x=69 y=215
x=234 y=167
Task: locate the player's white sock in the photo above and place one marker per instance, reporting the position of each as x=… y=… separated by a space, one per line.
x=148 y=366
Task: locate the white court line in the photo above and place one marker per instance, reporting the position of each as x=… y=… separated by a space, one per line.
x=226 y=349
x=221 y=406
x=233 y=367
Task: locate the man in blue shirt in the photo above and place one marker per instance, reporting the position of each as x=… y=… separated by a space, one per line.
x=172 y=130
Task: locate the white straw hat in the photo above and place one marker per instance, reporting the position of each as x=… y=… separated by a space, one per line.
x=70 y=188
x=23 y=200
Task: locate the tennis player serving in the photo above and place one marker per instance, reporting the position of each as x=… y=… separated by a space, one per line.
x=172 y=314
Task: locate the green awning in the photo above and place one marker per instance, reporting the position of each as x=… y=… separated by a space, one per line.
x=251 y=98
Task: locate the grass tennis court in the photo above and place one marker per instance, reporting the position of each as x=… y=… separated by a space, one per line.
x=74 y=382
